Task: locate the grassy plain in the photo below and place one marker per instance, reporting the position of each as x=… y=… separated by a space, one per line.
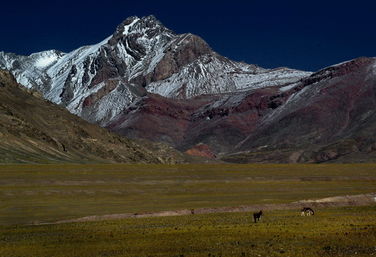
x=47 y=193
x=346 y=231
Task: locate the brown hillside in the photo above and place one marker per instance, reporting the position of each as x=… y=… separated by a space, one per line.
x=35 y=130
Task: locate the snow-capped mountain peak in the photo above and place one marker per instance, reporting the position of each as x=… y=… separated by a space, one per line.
x=98 y=82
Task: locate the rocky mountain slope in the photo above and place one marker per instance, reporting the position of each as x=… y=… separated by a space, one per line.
x=35 y=130
x=98 y=82
x=328 y=116
x=219 y=121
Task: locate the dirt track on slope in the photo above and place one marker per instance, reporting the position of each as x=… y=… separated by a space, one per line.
x=337 y=201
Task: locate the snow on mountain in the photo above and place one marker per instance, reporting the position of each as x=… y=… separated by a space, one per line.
x=46 y=59
x=30 y=70
x=98 y=82
x=212 y=75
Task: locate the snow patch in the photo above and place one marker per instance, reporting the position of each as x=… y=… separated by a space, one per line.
x=112 y=104
x=61 y=69
x=211 y=75
x=374 y=67
x=129 y=26
x=45 y=61
x=338 y=64
x=287 y=88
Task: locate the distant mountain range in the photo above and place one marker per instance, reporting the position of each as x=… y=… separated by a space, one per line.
x=145 y=81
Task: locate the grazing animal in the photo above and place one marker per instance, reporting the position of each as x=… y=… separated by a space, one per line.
x=306 y=211
x=257 y=216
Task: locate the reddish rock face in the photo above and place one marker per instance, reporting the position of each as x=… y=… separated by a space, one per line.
x=220 y=121
x=201 y=150
x=156 y=118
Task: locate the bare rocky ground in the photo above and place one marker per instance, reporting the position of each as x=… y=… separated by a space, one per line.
x=336 y=201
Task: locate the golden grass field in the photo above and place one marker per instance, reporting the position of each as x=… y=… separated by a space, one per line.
x=32 y=194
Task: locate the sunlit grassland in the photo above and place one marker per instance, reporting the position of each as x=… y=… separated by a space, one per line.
x=346 y=231
x=45 y=193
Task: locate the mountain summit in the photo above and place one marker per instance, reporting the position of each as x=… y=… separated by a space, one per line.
x=98 y=82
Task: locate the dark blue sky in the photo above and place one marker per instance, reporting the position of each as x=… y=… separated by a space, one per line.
x=306 y=35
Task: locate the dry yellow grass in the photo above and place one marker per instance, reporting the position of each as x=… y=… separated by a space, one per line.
x=330 y=232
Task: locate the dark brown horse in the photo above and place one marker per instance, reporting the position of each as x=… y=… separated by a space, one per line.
x=257 y=216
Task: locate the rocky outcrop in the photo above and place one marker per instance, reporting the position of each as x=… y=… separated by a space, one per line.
x=201 y=150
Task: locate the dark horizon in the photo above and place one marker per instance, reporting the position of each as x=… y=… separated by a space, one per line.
x=305 y=36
